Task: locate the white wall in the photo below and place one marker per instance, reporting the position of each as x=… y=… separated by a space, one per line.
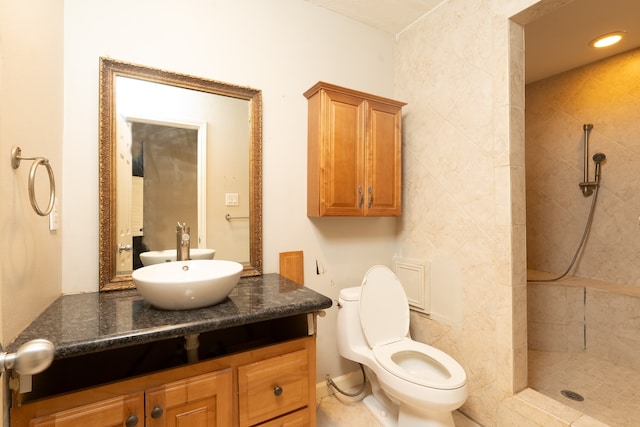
x=31 y=118
x=282 y=47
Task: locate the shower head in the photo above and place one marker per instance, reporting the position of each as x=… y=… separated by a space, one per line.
x=587 y=126
x=599 y=158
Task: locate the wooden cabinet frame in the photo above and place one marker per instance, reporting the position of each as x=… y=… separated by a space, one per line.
x=354 y=153
x=177 y=384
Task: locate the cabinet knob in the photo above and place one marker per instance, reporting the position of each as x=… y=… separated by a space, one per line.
x=156 y=412
x=131 y=421
x=277 y=390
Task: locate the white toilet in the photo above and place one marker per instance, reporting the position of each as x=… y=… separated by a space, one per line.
x=413 y=384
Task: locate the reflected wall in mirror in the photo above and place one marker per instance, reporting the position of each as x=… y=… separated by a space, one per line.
x=176 y=148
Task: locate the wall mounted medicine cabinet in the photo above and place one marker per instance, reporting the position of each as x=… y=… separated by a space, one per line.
x=354 y=153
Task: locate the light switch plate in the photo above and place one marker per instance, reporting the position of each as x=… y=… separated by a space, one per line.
x=231 y=199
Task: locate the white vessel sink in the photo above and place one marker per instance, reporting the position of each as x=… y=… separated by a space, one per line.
x=183 y=285
x=168 y=255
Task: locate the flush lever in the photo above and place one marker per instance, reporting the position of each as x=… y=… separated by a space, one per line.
x=31 y=358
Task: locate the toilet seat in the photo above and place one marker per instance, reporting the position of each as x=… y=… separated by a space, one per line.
x=420 y=364
x=384 y=317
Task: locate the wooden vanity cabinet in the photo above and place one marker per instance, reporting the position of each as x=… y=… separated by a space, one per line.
x=354 y=153
x=202 y=401
x=272 y=385
x=118 y=411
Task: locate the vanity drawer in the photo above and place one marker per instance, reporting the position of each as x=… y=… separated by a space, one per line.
x=299 y=418
x=273 y=387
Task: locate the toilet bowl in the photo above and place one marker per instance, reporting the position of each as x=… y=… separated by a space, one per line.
x=413 y=384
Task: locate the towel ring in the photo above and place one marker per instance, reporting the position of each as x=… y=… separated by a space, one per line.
x=37 y=161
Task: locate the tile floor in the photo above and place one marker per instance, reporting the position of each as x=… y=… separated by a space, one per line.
x=611 y=392
x=346 y=412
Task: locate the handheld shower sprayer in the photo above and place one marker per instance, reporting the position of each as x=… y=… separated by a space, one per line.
x=598 y=158
x=587 y=186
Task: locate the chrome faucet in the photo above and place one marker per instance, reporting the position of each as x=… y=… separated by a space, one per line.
x=183 y=242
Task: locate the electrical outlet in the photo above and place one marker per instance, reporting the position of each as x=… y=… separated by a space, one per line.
x=54 y=220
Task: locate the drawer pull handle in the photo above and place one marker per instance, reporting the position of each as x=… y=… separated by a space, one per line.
x=131 y=421
x=156 y=412
x=277 y=390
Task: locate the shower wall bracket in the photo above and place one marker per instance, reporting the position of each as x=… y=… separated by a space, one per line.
x=588 y=187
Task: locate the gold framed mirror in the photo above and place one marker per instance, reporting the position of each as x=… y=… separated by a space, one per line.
x=237 y=230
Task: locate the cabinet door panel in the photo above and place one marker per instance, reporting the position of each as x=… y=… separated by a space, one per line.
x=384 y=162
x=106 y=413
x=201 y=401
x=273 y=387
x=342 y=174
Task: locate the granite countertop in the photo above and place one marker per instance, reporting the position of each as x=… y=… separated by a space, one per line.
x=92 y=322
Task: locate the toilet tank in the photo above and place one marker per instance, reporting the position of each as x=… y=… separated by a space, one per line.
x=350 y=294
x=352 y=344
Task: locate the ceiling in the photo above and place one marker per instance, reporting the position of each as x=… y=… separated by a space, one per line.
x=556 y=42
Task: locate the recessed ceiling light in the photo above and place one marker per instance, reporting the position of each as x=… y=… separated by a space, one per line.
x=607 y=39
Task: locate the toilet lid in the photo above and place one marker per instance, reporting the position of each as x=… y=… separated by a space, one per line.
x=384 y=309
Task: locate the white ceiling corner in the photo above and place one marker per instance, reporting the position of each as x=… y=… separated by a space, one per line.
x=555 y=42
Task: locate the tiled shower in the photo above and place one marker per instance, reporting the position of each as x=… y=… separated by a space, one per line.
x=587 y=322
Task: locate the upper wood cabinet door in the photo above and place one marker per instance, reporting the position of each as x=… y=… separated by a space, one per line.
x=354 y=153
x=201 y=401
x=383 y=173
x=341 y=154
x=118 y=411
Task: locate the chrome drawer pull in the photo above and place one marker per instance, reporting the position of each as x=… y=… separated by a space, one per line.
x=277 y=390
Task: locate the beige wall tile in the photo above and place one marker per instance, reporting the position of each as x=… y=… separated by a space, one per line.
x=605 y=94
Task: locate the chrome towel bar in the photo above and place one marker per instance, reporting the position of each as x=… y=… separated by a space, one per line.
x=228 y=217
x=16 y=158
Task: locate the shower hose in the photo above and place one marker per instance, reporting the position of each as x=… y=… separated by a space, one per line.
x=580 y=246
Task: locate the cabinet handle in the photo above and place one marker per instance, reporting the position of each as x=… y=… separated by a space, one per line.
x=156 y=412
x=131 y=421
x=370 y=198
x=277 y=390
x=360 y=197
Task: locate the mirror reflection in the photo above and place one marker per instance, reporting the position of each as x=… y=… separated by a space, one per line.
x=176 y=149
